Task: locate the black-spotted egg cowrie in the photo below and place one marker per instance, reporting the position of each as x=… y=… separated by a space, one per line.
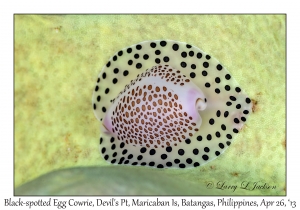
x=167 y=104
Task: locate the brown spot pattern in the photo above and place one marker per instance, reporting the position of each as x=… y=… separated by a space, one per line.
x=139 y=118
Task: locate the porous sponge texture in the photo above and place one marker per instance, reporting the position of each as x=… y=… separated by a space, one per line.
x=58 y=58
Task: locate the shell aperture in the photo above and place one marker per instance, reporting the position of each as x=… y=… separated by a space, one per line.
x=167 y=104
